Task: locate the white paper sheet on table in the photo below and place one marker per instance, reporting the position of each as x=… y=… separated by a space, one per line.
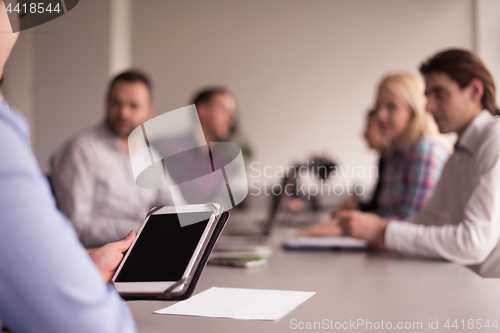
x=239 y=303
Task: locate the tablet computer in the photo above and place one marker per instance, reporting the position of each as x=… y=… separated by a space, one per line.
x=167 y=251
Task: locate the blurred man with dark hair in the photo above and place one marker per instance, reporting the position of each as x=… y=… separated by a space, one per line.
x=191 y=154
x=130 y=103
x=216 y=110
x=375 y=140
x=92 y=176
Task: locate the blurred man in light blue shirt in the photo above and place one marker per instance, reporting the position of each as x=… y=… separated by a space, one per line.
x=48 y=282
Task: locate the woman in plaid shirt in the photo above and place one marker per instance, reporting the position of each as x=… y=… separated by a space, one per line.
x=417 y=152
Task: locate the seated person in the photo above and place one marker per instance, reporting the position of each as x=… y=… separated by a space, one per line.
x=376 y=141
x=461 y=222
x=92 y=176
x=415 y=157
x=48 y=283
x=193 y=155
x=417 y=153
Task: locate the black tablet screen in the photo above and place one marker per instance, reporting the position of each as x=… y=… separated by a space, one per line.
x=163 y=249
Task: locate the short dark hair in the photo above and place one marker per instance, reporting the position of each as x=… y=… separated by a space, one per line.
x=371 y=113
x=462 y=66
x=205 y=95
x=132 y=76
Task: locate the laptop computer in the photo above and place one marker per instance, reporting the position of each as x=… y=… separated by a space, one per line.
x=255 y=233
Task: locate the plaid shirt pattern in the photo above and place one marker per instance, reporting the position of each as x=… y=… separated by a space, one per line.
x=410 y=177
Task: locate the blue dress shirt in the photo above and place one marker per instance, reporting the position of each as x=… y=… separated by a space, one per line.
x=48 y=283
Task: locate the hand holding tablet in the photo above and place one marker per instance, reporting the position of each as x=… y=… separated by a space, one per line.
x=166 y=259
x=108 y=257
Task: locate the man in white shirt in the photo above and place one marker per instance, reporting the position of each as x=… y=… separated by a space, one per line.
x=92 y=176
x=461 y=222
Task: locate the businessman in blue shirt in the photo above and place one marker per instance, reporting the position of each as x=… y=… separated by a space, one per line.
x=48 y=282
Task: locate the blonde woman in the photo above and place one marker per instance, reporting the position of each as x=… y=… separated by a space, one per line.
x=417 y=151
x=415 y=157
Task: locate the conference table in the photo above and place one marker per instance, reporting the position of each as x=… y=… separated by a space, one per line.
x=355 y=291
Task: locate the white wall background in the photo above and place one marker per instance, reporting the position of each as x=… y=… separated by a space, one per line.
x=304 y=72
x=56 y=75
x=487 y=41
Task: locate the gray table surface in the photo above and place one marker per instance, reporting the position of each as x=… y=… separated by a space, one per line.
x=350 y=286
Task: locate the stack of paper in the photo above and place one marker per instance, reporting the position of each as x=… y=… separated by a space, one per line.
x=238 y=303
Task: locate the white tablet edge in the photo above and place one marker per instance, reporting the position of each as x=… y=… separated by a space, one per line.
x=143 y=287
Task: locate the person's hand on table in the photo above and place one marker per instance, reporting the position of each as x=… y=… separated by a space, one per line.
x=108 y=257
x=376 y=246
x=296 y=204
x=322 y=229
x=350 y=203
x=361 y=225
